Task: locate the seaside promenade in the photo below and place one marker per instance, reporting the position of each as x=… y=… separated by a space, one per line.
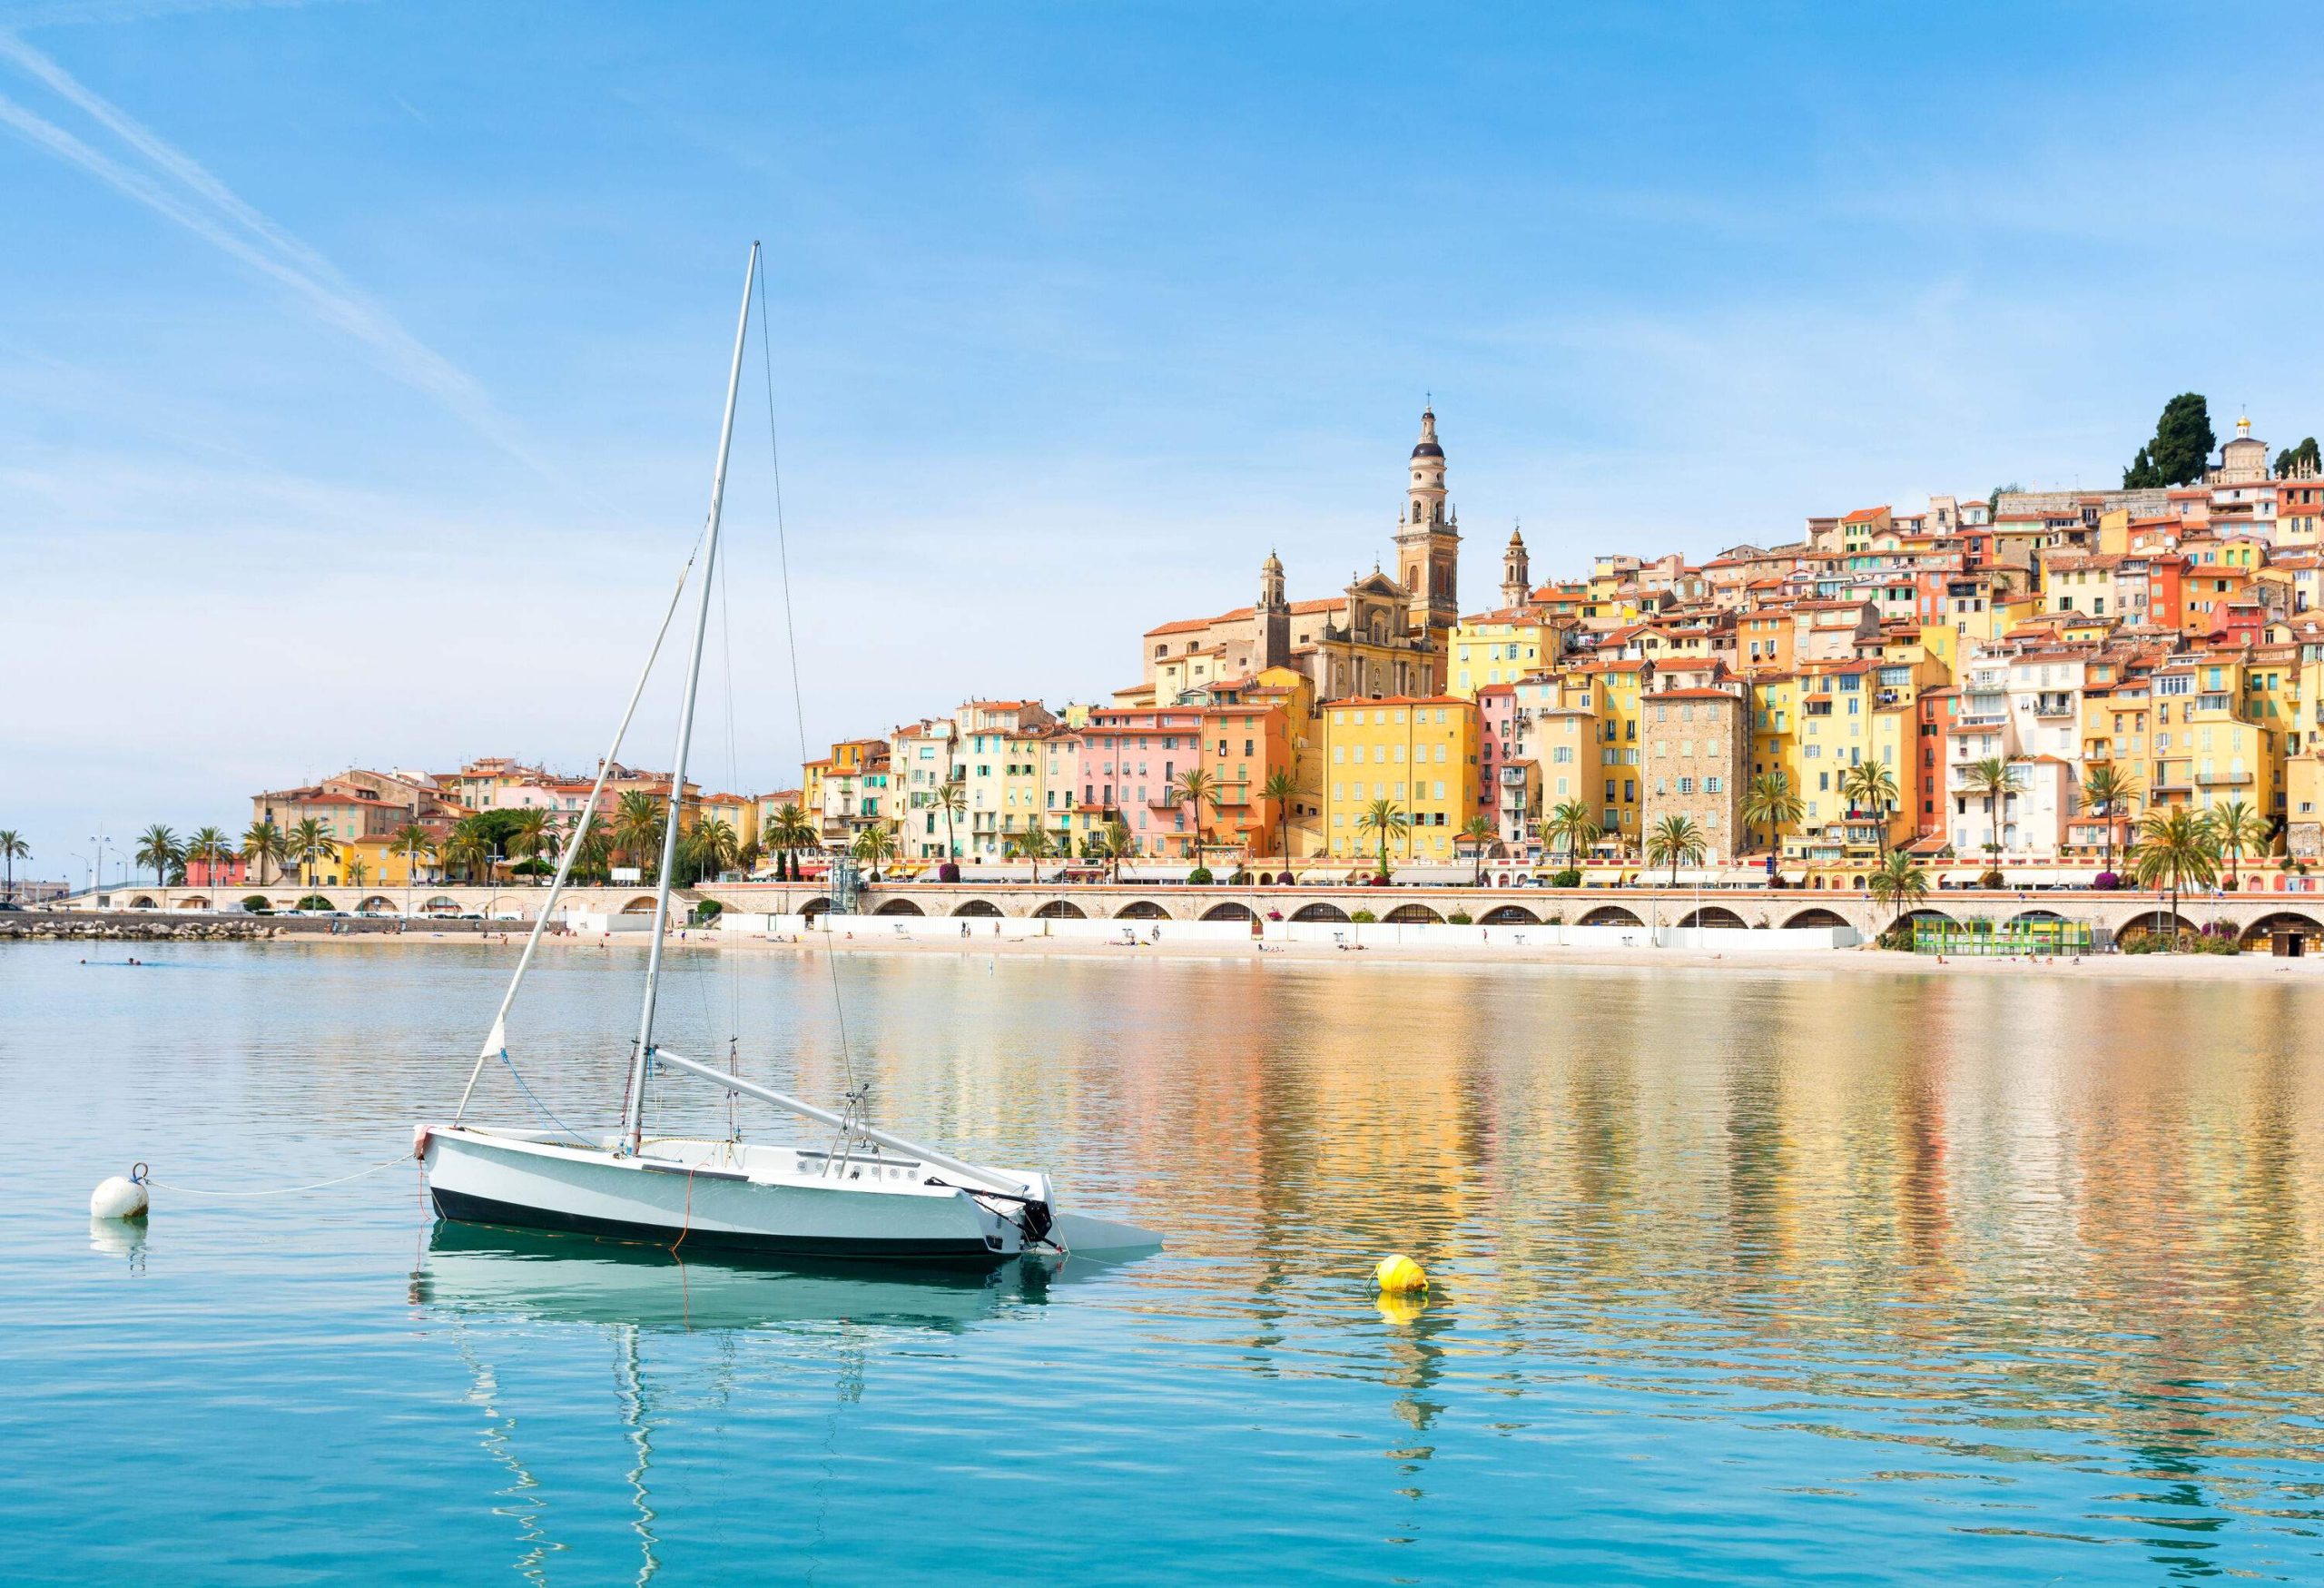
x=2257 y=917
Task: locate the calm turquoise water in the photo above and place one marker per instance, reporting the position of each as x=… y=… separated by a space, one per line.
x=1844 y=1279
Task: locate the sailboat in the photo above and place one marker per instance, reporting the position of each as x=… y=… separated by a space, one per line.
x=867 y=1193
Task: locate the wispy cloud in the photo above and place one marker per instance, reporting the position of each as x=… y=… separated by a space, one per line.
x=83 y=12
x=171 y=183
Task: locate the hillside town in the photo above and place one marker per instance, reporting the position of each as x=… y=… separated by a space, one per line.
x=2012 y=682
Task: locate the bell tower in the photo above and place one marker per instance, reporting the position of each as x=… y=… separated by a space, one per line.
x=1516 y=581
x=1428 y=538
x=1272 y=616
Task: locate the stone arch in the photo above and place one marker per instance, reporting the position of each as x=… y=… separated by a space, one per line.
x=1320 y=912
x=819 y=905
x=442 y=905
x=1929 y=918
x=1815 y=917
x=1141 y=910
x=1715 y=915
x=1510 y=915
x=143 y=902
x=377 y=904
x=195 y=901
x=1610 y=915
x=978 y=907
x=1412 y=915
x=899 y=907
x=2293 y=922
x=641 y=905
x=2154 y=922
x=2027 y=917
x=314 y=901
x=1228 y=911
x=1060 y=910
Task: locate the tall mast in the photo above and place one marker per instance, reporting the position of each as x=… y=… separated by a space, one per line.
x=634 y=1118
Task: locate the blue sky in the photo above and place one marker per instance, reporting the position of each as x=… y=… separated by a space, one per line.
x=359 y=363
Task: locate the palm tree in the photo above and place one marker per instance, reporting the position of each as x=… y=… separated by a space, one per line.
x=470 y=848
x=952 y=801
x=789 y=833
x=530 y=833
x=2238 y=832
x=593 y=854
x=1768 y=802
x=1282 y=786
x=2174 y=847
x=413 y=842
x=264 y=843
x=2106 y=789
x=1569 y=826
x=158 y=847
x=1110 y=843
x=1033 y=844
x=1993 y=778
x=209 y=846
x=1386 y=819
x=871 y=846
x=308 y=842
x=712 y=847
x=1192 y=788
x=1869 y=786
x=12 y=848
x=356 y=872
x=1479 y=833
x=1898 y=883
x=1675 y=839
x=637 y=828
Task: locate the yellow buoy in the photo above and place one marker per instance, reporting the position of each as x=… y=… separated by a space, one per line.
x=1398 y=1274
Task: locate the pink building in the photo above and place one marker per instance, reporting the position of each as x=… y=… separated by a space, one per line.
x=1509 y=784
x=229 y=873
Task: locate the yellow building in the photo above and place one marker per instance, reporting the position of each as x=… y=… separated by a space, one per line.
x=378 y=867
x=1499 y=647
x=1615 y=789
x=1417 y=753
x=2208 y=751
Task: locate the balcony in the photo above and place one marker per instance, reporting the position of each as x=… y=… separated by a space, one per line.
x=2053 y=703
x=1512 y=777
x=2221 y=779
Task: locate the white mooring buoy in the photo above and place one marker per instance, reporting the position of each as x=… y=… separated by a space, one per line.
x=119 y=1198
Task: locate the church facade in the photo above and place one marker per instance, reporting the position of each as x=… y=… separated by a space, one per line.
x=1381 y=635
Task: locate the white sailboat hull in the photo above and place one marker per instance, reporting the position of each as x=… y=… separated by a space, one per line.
x=722 y=1197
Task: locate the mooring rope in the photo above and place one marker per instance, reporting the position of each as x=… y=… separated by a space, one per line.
x=404 y=1157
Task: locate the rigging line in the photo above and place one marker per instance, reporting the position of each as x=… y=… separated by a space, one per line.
x=539 y=1107
x=791 y=636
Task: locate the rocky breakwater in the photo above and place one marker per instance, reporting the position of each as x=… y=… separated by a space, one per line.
x=57 y=925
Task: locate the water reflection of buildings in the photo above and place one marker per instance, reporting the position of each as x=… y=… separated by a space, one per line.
x=1921 y=1209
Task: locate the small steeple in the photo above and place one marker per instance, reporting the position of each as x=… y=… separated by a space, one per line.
x=1516 y=570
